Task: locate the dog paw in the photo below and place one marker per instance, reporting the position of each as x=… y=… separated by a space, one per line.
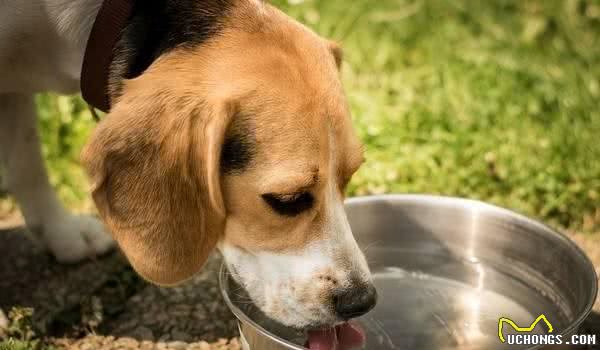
x=73 y=238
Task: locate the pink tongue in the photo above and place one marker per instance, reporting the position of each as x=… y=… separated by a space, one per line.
x=350 y=336
x=322 y=339
x=343 y=337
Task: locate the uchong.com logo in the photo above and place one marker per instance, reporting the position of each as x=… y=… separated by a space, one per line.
x=524 y=335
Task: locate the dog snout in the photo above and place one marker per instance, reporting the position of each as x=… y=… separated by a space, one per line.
x=355 y=301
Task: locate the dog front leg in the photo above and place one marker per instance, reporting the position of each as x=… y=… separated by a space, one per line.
x=69 y=237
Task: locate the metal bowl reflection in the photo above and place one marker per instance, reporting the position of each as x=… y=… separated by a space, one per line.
x=447 y=270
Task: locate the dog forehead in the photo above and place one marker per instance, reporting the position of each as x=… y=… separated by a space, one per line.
x=282 y=75
x=262 y=52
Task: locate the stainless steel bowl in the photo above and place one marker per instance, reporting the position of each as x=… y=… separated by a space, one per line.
x=447 y=269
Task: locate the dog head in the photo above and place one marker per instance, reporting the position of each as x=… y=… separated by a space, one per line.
x=243 y=143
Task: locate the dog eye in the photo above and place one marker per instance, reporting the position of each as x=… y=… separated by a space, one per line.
x=289 y=204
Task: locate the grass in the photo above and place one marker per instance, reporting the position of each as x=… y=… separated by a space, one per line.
x=19 y=334
x=493 y=100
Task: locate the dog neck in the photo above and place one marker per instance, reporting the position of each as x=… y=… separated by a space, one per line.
x=145 y=31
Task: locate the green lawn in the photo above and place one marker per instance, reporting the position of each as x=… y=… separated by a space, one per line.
x=494 y=100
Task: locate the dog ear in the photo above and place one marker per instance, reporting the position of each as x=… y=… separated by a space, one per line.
x=337 y=52
x=154 y=166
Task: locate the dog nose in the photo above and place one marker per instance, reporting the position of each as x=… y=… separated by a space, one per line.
x=355 y=301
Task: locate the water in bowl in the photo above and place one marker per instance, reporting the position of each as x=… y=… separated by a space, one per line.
x=441 y=302
x=420 y=311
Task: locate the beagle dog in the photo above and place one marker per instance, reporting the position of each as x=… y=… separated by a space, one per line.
x=228 y=129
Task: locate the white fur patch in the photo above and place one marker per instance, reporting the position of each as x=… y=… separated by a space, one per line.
x=42 y=43
x=296 y=288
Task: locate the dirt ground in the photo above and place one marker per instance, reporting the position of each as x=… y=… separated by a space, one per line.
x=103 y=304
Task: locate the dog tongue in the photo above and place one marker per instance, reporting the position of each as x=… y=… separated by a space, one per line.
x=350 y=336
x=322 y=339
x=343 y=337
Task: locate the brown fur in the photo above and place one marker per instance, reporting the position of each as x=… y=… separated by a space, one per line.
x=154 y=160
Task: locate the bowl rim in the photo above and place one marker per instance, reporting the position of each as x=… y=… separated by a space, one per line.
x=589 y=266
x=241 y=315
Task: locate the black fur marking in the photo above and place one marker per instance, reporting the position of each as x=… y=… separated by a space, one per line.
x=239 y=147
x=158 y=26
